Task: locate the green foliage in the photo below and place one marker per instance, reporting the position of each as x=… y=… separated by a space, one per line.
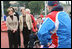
x=6 y=5
x=36 y=6
x=22 y=3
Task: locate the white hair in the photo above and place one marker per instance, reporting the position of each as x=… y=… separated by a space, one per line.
x=28 y=10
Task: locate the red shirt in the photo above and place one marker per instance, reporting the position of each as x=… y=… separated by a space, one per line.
x=41 y=16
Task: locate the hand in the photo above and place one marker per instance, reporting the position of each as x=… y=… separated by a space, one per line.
x=14 y=30
x=48 y=44
x=51 y=32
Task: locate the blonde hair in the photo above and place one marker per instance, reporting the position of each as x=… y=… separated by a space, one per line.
x=28 y=10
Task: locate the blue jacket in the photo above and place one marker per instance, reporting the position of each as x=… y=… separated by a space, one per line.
x=63 y=31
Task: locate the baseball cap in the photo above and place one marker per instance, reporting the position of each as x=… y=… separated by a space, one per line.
x=53 y=3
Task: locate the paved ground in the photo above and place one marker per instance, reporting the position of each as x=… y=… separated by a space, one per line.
x=5 y=42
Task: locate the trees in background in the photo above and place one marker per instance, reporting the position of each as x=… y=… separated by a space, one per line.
x=6 y=5
x=36 y=6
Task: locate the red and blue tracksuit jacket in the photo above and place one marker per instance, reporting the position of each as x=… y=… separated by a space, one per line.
x=56 y=30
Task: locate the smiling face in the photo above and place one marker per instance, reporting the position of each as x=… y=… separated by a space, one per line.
x=10 y=13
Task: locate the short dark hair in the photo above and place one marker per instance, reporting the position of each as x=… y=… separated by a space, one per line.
x=39 y=17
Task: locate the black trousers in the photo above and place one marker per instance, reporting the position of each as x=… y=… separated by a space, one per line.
x=26 y=34
x=18 y=38
x=12 y=39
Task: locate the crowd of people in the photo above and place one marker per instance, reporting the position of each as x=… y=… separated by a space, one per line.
x=24 y=23
x=52 y=32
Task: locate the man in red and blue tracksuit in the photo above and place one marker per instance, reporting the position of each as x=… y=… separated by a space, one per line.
x=55 y=32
